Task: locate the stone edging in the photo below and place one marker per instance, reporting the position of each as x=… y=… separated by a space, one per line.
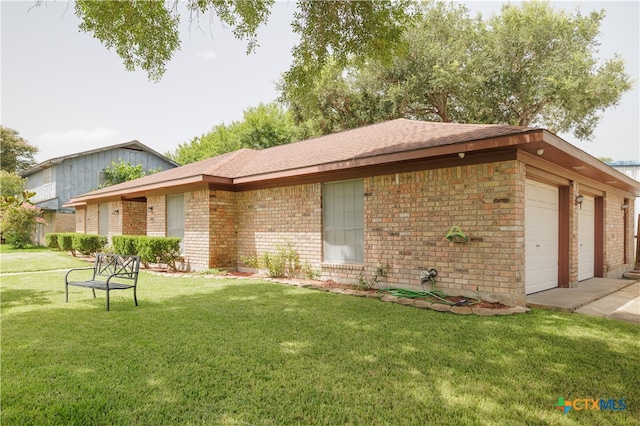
x=423 y=304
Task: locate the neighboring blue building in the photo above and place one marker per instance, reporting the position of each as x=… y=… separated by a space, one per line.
x=57 y=180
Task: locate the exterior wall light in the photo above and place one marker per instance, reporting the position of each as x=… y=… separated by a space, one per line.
x=579 y=200
x=150 y=208
x=116 y=211
x=625 y=205
x=540 y=151
x=461 y=154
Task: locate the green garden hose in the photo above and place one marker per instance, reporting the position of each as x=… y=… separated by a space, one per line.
x=435 y=293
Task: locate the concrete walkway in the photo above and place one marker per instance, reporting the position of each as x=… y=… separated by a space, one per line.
x=604 y=297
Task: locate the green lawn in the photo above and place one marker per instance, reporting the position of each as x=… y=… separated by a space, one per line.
x=203 y=351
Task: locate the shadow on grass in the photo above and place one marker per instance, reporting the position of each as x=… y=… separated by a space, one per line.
x=272 y=354
x=10 y=298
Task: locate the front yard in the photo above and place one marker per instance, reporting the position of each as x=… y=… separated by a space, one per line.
x=202 y=351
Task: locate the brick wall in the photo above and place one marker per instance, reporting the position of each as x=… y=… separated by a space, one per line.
x=408 y=215
x=270 y=217
x=134 y=218
x=614 y=219
x=223 y=229
x=115 y=219
x=81 y=218
x=196 y=229
x=63 y=222
x=157 y=218
x=92 y=219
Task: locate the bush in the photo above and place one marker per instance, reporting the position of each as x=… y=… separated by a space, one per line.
x=88 y=244
x=51 y=240
x=125 y=244
x=284 y=263
x=162 y=250
x=165 y=250
x=65 y=242
x=18 y=222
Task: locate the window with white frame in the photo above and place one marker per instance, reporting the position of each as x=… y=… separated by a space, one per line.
x=343 y=221
x=175 y=217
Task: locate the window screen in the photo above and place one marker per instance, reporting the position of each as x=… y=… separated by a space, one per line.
x=343 y=221
x=175 y=216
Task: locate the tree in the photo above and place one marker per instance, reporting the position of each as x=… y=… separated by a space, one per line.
x=145 y=33
x=541 y=70
x=263 y=126
x=425 y=81
x=529 y=66
x=16 y=153
x=123 y=172
x=11 y=184
x=18 y=219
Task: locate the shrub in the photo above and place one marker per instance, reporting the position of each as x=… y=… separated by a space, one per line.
x=51 y=240
x=284 y=263
x=18 y=222
x=165 y=250
x=364 y=284
x=65 y=242
x=162 y=250
x=125 y=244
x=88 y=244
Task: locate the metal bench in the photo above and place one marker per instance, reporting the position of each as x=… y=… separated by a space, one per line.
x=110 y=272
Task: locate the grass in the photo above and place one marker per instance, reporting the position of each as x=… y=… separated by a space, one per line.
x=201 y=351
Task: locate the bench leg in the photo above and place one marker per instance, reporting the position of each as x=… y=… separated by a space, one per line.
x=135 y=298
x=94 y=292
x=66 y=293
x=107 y=300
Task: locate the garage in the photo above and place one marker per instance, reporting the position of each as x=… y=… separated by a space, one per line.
x=586 y=239
x=541 y=236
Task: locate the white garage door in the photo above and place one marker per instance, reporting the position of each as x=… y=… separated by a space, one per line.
x=586 y=239
x=541 y=237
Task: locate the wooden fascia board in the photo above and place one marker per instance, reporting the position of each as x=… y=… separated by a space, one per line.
x=451 y=160
x=552 y=172
x=468 y=148
x=166 y=187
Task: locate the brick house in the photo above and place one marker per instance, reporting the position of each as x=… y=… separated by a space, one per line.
x=56 y=180
x=536 y=212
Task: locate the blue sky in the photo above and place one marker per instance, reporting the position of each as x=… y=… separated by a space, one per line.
x=65 y=93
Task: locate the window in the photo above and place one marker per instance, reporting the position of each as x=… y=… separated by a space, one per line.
x=103 y=219
x=175 y=217
x=47 y=176
x=343 y=221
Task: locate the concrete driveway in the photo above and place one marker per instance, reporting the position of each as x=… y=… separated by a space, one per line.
x=604 y=297
x=622 y=305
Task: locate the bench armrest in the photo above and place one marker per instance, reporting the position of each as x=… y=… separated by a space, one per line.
x=123 y=276
x=66 y=277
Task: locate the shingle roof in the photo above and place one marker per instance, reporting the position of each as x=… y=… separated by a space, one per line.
x=382 y=143
x=377 y=139
x=134 y=144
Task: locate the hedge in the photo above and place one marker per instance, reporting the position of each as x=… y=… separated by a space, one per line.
x=86 y=244
x=51 y=240
x=125 y=244
x=162 y=250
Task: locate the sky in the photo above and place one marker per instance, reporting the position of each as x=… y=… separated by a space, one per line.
x=66 y=93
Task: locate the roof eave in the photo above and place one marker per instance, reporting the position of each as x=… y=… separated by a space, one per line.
x=488 y=144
